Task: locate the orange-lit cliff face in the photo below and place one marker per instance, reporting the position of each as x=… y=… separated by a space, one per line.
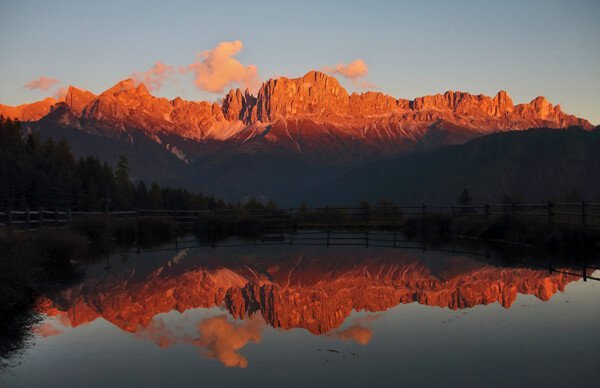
x=304 y=291
x=29 y=112
x=286 y=109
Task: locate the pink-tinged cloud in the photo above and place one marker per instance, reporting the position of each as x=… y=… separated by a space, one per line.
x=61 y=93
x=353 y=71
x=216 y=69
x=222 y=339
x=367 y=85
x=42 y=83
x=154 y=77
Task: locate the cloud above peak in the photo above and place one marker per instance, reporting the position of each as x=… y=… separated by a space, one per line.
x=61 y=93
x=41 y=83
x=154 y=77
x=217 y=69
x=353 y=71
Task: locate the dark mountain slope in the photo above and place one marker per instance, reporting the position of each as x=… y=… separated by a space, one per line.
x=538 y=164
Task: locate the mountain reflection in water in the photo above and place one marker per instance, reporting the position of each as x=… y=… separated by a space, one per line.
x=313 y=289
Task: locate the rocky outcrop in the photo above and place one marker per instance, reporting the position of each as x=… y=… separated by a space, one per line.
x=238 y=106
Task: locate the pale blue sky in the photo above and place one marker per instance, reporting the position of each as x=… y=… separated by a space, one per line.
x=528 y=48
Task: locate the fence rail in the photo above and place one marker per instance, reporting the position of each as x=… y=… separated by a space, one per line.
x=582 y=213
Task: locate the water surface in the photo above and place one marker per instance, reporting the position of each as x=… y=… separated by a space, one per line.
x=315 y=316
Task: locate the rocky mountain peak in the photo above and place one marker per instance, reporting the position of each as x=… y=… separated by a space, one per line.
x=542 y=106
x=502 y=103
x=313 y=94
x=122 y=86
x=77 y=99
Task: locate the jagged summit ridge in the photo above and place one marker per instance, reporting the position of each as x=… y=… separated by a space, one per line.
x=315 y=98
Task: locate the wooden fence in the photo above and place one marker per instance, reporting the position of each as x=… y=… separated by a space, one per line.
x=582 y=213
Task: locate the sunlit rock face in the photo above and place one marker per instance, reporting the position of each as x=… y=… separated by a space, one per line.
x=77 y=100
x=312 y=292
x=28 y=112
x=296 y=112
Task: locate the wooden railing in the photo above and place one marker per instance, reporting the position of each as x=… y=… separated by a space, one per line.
x=581 y=213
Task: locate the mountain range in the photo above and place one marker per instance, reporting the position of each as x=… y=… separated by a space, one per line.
x=287 y=142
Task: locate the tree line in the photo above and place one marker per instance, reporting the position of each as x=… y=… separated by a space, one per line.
x=45 y=174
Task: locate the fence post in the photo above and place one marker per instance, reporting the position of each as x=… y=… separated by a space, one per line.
x=514 y=208
x=69 y=216
x=327 y=237
x=582 y=212
x=41 y=217
x=8 y=219
x=28 y=219
x=367 y=238
x=487 y=210
x=56 y=217
x=395 y=237
x=550 y=205
x=423 y=208
x=452 y=210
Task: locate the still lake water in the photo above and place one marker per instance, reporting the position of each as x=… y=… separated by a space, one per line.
x=314 y=316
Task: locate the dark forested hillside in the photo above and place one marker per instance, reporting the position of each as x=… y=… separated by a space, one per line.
x=36 y=173
x=534 y=165
x=232 y=172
